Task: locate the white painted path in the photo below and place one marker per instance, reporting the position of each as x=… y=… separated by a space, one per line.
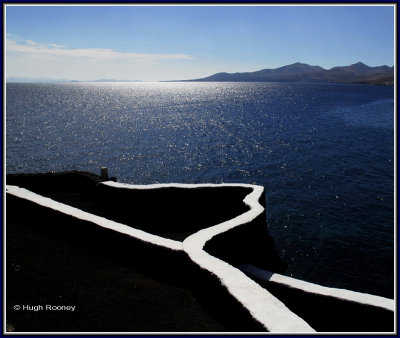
x=261 y=304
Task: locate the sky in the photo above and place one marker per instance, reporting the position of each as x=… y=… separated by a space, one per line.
x=155 y=43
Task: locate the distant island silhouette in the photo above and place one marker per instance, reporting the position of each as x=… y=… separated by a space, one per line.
x=301 y=72
x=296 y=72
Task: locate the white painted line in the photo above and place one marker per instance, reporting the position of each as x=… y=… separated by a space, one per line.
x=100 y=221
x=262 y=305
x=175 y=185
x=359 y=297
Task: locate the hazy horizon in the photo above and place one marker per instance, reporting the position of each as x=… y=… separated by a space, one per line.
x=175 y=42
x=44 y=79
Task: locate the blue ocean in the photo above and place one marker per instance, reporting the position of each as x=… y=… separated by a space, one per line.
x=323 y=152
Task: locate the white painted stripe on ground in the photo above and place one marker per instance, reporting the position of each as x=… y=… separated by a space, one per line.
x=175 y=185
x=100 y=221
x=359 y=297
x=262 y=305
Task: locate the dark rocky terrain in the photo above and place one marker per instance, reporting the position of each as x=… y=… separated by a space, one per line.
x=119 y=283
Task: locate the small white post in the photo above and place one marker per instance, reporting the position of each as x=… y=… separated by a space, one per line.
x=104 y=173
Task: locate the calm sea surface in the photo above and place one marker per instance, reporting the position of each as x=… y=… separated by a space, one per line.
x=323 y=152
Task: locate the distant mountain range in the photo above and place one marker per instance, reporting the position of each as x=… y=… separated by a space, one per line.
x=301 y=72
x=297 y=72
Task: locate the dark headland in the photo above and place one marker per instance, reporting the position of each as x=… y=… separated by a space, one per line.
x=117 y=283
x=357 y=73
x=123 y=283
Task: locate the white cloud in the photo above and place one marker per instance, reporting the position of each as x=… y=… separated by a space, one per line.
x=26 y=58
x=32 y=47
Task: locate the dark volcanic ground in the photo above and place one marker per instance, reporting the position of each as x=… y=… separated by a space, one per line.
x=108 y=296
x=117 y=283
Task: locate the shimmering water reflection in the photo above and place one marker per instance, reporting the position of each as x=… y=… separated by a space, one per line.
x=323 y=152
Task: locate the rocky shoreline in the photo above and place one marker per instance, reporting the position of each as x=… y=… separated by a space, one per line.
x=141 y=282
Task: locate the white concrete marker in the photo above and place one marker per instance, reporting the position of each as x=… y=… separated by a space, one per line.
x=104 y=173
